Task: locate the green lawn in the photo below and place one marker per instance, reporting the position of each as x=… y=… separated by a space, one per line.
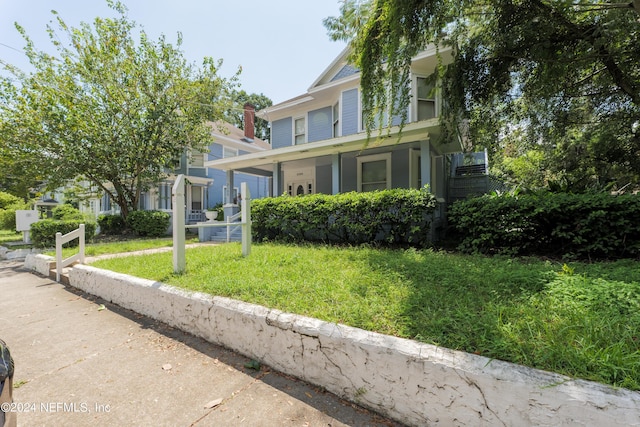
x=121 y=246
x=9 y=236
x=581 y=320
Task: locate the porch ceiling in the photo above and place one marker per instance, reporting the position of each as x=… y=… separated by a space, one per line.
x=417 y=131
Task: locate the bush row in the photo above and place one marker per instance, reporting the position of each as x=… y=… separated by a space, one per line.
x=584 y=226
x=149 y=223
x=43 y=233
x=397 y=216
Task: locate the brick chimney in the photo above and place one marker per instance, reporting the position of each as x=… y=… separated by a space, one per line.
x=249 y=121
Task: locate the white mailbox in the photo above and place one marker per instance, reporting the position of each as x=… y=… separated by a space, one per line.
x=24 y=219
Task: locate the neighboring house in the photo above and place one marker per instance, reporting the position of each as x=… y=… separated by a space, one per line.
x=206 y=187
x=319 y=144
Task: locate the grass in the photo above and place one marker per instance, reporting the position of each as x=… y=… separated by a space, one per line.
x=10 y=236
x=581 y=320
x=120 y=246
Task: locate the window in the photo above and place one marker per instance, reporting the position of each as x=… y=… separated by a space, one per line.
x=229 y=152
x=426 y=100
x=299 y=129
x=336 y=120
x=374 y=172
x=196 y=160
x=196 y=198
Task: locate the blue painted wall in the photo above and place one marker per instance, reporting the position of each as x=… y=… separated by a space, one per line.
x=282 y=133
x=320 y=124
x=350 y=115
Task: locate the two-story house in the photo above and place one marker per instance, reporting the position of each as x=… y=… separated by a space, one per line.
x=319 y=144
x=206 y=186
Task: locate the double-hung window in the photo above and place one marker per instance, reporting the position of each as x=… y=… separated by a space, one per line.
x=299 y=131
x=426 y=99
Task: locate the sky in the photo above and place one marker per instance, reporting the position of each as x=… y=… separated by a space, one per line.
x=281 y=45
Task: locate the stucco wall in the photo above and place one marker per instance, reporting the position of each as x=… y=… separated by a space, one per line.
x=414 y=383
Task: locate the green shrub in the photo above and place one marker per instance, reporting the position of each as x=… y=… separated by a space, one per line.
x=398 y=216
x=43 y=233
x=9 y=204
x=7 y=200
x=149 y=223
x=66 y=212
x=584 y=226
x=111 y=224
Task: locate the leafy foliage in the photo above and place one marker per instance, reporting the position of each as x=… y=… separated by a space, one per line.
x=66 y=212
x=43 y=233
x=107 y=108
x=111 y=224
x=8 y=206
x=149 y=223
x=587 y=226
x=398 y=216
x=558 y=76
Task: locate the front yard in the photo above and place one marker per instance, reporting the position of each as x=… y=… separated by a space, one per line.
x=580 y=320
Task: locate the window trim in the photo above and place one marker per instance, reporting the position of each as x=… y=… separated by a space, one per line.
x=416 y=100
x=374 y=158
x=304 y=133
x=336 y=123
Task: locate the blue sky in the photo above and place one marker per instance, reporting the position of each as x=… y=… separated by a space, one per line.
x=281 y=45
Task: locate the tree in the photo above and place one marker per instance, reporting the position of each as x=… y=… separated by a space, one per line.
x=566 y=72
x=235 y=115
x=110 y=110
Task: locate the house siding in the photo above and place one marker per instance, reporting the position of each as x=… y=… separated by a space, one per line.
x=215 y=151
x=323 y=179
x=350 y=116
x=320 y=125
x=282 y=133
x=349 y=173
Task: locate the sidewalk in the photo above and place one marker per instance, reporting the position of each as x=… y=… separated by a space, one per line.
x=84 y=362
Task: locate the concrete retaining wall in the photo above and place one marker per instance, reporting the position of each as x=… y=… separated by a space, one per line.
x=41 y=264
x=414 y=383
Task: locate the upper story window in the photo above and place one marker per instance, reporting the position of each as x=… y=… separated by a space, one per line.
x=196 y=160
x=336 y=120
x=426 y=99
x=299 y=131
x=229 y=152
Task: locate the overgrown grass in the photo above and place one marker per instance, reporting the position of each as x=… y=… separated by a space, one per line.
x=581 y=320
x=121 y=246
x=9 y=236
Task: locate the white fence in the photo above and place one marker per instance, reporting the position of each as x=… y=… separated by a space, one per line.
x=179 y=226
x=61 y=240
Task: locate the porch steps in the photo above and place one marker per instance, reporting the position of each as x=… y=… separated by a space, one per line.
x=220 y=235
x=64 y=274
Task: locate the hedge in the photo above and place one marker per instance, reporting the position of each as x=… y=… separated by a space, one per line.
x=43 y=233
x=582 y=226
x=111 y=224
x=149 y=223
x=388 y=217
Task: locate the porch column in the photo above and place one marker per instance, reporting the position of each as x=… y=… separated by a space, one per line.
x=277 y=179
x=425 y=163
x=229 y=207
x=336 y=173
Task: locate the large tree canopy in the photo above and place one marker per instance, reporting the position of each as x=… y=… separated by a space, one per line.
x=106 y=108
x=559 y=77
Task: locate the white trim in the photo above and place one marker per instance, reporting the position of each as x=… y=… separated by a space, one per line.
x=374 y=158
x=295 y=135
